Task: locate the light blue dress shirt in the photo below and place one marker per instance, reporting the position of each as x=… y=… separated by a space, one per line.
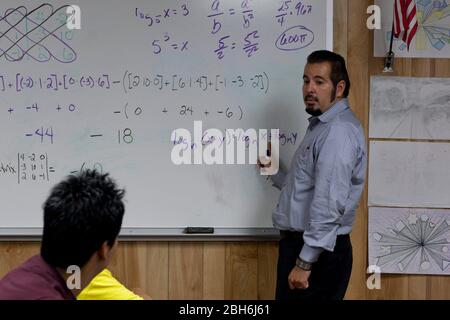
x=321 y=191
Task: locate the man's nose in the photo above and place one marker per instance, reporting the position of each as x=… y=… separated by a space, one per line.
x=310 y=87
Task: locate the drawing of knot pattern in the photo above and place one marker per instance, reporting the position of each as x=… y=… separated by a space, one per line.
x=39 y=35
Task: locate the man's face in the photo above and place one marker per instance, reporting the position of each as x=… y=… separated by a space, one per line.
x=319 y=92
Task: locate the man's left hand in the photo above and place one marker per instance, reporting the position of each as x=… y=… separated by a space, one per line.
x=298 y=278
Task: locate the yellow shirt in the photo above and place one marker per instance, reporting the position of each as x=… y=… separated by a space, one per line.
x=105 y=287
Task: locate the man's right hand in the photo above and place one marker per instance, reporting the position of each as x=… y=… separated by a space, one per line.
x=269 y=164
x=266 y=160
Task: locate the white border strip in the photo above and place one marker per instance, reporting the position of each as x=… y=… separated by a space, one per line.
x=329 y=25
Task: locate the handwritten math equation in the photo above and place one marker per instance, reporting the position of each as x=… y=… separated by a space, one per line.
x=28 y=168
x=177 y=82
x=129 y=112
x=250 y=41
x=222 y=15
x=40 y=34
x=34 y=168
x=131 y=80
x=289 y=8
x=38 y=102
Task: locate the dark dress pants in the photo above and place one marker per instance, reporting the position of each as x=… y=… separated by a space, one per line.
x=329 y=275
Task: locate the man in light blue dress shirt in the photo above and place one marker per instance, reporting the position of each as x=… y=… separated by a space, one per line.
x=321 y=191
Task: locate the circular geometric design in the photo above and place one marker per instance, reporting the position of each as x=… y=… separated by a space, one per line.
x=414 y=244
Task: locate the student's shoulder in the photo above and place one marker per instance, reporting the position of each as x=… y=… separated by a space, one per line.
x=105 y=286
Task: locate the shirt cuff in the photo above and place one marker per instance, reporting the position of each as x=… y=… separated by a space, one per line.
x=310 y=254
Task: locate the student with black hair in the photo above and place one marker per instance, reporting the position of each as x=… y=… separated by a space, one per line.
x=82 y=219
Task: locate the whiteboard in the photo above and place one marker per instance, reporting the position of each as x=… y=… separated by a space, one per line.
x=110 y=94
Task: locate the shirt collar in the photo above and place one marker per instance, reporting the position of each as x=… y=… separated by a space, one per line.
x=328 y=115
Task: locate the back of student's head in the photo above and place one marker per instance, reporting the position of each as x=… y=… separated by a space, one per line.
x=82 y=212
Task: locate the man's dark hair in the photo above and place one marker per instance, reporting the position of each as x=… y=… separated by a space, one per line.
x=338 y=69
x=81 y=213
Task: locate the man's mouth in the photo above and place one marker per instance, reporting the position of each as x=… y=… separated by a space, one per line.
x=310 y=99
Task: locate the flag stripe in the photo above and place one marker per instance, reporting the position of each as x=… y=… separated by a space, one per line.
x=405 y=20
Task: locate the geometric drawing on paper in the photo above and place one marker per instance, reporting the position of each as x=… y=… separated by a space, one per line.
x=410 y=108
x=409 y=174
x=432 y=39
x=412 y=241
x=434 y=28
x=35 y=34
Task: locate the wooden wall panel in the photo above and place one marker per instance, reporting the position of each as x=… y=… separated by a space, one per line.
x=136 y=274
x=13 y=254
x=214 y=270
x=247 y=270
x=441 y=68
x=357 y=62
x=439 y=288
x=185 y=271
x=241 y=281
x=340 y=27
x=421 y=68
x=267 y=270
x=157 y=269
x=393 y=287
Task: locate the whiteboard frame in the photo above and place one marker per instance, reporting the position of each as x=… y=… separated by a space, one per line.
x=177 y=234
x=159 y=234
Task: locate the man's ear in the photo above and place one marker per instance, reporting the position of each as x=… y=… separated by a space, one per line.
x=104 y=250
x=340 y=88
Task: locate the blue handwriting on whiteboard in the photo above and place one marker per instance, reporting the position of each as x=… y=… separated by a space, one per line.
x=295 y=38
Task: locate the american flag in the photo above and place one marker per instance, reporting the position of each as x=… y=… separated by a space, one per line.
x=405 y=20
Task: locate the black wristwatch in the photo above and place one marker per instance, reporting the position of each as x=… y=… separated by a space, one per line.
x=304 y=265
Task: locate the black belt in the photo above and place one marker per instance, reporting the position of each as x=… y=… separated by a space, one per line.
x=291 y=234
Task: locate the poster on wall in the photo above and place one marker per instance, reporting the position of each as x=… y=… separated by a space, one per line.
x=409 y=174
x=409 y=108
x=410 y=240
x=432 y=39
